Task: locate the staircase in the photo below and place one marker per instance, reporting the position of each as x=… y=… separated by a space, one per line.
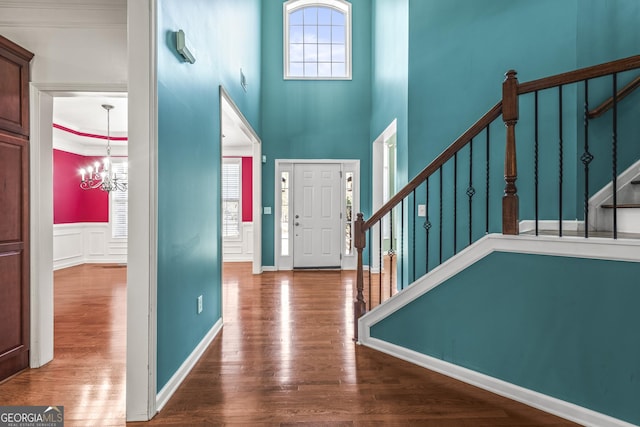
x=549 y=320
x=627 y=209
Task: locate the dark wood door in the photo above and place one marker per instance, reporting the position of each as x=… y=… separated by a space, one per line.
x=14 y=208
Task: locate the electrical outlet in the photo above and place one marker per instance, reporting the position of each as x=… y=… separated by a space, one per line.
x=200 y=304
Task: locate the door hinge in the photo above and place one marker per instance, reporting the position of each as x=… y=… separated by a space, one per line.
x=340 y=174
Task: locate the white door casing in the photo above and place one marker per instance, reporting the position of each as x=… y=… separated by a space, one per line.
x=349 y=188
x=317 y=224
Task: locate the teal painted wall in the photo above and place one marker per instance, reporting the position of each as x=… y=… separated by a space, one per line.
x=313 y=119
x=390 y=74
x=458 y=53
x=390 y=87
x=568 y=331
x=225 y=36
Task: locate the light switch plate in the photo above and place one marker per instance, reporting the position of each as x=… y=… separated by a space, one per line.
x=422 y=210
x=267 y=210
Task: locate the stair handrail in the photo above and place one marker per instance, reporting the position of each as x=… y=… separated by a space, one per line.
x=508 y=107
x=608 y=103
x=448 y=153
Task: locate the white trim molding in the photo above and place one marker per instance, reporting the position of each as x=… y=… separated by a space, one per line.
x=552 y=405
x=141 y=390
x=179 y=376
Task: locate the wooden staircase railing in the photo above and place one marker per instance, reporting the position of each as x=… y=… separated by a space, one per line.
x=508 y=107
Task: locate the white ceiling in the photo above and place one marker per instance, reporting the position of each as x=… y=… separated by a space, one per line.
x=83 y=113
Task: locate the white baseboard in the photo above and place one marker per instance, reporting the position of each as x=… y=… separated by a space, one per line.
x=549 y=404
x=551 y=225
x=269 y=268
x=174 y=382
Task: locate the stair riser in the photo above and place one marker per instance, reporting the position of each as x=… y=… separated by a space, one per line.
x=628 y=220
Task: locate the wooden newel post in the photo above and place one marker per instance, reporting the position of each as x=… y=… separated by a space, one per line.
x=359 y=305
x=510 y=118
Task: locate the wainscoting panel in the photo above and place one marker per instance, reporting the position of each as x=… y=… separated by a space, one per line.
x=80 y=243
x=68 y=248
x=237 y=250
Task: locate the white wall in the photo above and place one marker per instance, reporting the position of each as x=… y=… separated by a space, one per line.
x=73 y=41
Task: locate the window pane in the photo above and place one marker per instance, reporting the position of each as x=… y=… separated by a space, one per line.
x=324 y=69
x=338 y=69
x=337 y=34
x=337 y=18
x=295 y=34
x=230 y=218
x=296 y=53
x=324 y=53
x=317 y=37
x=310 y=34
x=310 y=16
x=284 y=220
x=119 y=203
x=311 y=70
x=324 y=34
x=230 y=198
x=349 y=214
x=310 y=52
x=324 y=16
x=295 y=18
x=296 y=69
x=337 y=53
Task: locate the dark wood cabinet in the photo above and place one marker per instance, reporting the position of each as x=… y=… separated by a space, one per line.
x=14 y=208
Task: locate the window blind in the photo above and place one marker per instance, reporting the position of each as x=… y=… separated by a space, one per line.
x=231 y=189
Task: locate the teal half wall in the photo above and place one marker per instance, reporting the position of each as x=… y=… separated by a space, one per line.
x=313 y=119
x=224 y=36
x=564 y=327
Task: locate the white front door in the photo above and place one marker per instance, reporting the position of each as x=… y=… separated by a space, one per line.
x=316 y=215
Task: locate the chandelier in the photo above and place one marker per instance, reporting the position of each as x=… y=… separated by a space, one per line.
x=105 y=179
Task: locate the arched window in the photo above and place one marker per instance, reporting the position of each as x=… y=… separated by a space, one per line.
x=317 y=39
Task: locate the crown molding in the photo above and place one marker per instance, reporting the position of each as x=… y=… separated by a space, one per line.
x=64 y=14
x=67 y=4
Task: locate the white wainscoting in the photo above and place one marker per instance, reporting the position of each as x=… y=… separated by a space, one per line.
x=80 y=243
x=237 y=250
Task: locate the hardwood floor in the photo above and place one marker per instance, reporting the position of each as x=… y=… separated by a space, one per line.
x=284 y=358
x=87 y=374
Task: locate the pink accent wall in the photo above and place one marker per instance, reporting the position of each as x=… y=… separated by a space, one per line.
x=72 y=204
x=247 y=189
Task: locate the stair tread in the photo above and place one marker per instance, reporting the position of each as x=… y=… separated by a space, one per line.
x=623 y=206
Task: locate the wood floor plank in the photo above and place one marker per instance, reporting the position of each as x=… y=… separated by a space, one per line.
x=284 y=358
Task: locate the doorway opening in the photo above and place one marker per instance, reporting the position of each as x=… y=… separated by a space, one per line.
x=241 y=186
x=315 y=206
x=384 y=178
x=89 y=225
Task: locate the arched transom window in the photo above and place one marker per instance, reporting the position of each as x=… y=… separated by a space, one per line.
x=317 y=39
